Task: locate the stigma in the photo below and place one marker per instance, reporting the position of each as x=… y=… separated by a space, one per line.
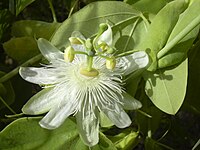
x=89 y=73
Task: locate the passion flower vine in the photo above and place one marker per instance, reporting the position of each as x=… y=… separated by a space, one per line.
x=83 y=81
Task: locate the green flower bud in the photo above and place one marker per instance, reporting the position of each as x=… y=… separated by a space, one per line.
x=74 y=40
x=110 y=50
x=69 y=54
x=102 y=27
x=111 y=63
x=88 y=44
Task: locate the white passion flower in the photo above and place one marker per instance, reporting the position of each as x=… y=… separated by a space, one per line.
x=71 y=89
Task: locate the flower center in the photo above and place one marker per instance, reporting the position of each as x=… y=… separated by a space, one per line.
x=92 y=73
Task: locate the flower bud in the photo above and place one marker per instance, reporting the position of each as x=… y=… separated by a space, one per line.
x=74 y=40
x=88 y=44
x=110 y=50
x=69 y=54
x=102 y=27
x=111 y=63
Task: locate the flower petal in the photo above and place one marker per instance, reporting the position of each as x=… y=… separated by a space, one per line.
x=106 y=36
x=117 y=115
x=57 y=115
x=41 y=75
x=78 y=34
x=129 y=102
x=40 y=103
x=50 y=52
x=88 y=127
x=135 y=61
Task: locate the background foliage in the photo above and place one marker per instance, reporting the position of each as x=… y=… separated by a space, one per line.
x=23 y=21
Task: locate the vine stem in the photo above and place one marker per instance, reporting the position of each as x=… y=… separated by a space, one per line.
x=12 y=73
x=72 y=9
x=7 y=106
x=52 y=11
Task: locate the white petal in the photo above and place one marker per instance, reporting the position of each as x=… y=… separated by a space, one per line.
x=57 y=115
x=129 y=102
x=117 y=115
x=106 y=36
x=41 y=75
x=78 y=34
x=88 y=127
x=49 y=51
x=135 y=61
x=40 y=103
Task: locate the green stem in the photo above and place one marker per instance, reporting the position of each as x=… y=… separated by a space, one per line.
x=12 y=73
x=52 y=11
x=7 y=106
x=79 y=52
x=89 y=63
x=131 y=34
x=72 y=9
x=126 y=53
x=144 y=113
x=179 y=37
x=15 y=115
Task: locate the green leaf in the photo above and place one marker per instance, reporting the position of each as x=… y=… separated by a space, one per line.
x=104 y=144
x=25 y=133
x=105 y=121
x=125 y=140
x=161 y=27
x=21 y=49
x=127 y=25
x=21 y=4
x=167 y=88
x=6 y=92
x=34 y=28
x=153 y=6
x=180 y=37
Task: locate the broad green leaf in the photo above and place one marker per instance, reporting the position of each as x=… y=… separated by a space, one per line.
x=127 y=25
x=21 y=4
x=125 y=140
x=34 y=28
x=161 y=27
x=5 y=21
x=153 y=6
x=182 y=36
x=167 y=88
x=21 y=49
x=105 y=121
x=25 y=133
x=104 y=144
x=6 y=92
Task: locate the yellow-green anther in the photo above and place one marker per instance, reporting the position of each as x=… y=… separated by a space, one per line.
x=88 y=44
x=110 y=63
x=110 y=50
x=74 y=40
x=69 y=54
